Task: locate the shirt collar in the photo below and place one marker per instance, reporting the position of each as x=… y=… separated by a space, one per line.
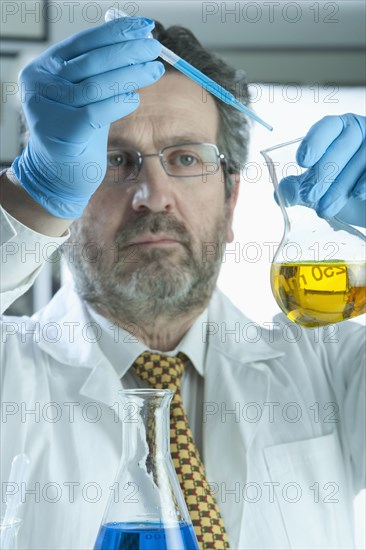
x=122 y=348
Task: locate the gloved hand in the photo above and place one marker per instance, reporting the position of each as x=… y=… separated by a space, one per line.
x=334 y=152
x=71 y=94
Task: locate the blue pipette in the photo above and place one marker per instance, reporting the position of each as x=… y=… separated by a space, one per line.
x=194 y=74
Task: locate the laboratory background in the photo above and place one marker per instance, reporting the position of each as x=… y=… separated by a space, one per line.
x=304 y=60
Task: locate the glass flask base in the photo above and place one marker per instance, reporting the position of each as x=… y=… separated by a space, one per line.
x=146 y=536
x=314 y=294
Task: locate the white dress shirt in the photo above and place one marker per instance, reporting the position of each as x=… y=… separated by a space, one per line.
x=122 y=349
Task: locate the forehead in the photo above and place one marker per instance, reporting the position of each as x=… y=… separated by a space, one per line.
x=174 y=108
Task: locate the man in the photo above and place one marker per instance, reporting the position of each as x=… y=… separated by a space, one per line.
x=169 y=186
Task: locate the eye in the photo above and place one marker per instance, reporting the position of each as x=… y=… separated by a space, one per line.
x=122 y=165
x=187 y=160
x=184 y=159
x=120 y=159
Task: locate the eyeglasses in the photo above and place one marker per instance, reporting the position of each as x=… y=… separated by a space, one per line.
x=186 y=160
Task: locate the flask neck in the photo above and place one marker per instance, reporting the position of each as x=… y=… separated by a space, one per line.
x=146 y=426
x=307 y=237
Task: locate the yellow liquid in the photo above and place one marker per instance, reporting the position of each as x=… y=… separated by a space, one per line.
x=319 y=293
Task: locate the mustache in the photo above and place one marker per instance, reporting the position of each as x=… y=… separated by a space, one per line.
x=154 y=223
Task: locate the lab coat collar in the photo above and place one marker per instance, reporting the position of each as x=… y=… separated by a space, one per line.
x=122 y=348
x=73 y=336
x=66 y=331
x=72 y=339
x=231 y=333
x=69 y=335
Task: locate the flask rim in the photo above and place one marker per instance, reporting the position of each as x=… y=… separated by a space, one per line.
x=279 y=145
x=145 y=392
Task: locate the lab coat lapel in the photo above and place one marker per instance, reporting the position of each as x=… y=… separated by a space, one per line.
x=102 y=384
x=232 y=393
x=236 y=386
x=72 y=340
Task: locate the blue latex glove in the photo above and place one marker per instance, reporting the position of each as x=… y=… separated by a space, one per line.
x=334 y=152
x=71 y=94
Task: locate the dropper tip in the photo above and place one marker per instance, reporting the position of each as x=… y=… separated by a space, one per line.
x=251 y=114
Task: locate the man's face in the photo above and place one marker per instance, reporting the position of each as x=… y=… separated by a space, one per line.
x=151 y=233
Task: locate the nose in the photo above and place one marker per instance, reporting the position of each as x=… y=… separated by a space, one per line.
x=155 y=189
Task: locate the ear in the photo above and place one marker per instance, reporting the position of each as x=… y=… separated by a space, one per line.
x=231 y=207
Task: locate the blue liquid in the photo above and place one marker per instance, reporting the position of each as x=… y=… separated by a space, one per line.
x=146 y=536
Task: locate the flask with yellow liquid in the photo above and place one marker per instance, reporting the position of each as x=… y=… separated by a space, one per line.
x=318 y=273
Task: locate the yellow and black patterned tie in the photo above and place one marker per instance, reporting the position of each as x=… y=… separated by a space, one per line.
x=165 y=372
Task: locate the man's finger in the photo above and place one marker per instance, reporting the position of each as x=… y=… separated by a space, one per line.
x=359 y=190
x=342 y=188
x=318 y=139
x=327 y=170
x=109 y=58
x=112 y=32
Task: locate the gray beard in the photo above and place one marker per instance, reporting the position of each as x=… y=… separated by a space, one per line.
x=162 y=287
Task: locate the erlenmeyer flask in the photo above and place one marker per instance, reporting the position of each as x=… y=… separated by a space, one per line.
x=318 y=273
x=146 y=509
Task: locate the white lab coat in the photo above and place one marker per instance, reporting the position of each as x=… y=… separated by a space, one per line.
x=283 y=426
x=286 y=463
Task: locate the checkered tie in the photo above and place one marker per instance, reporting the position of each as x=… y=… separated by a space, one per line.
x=165 y=372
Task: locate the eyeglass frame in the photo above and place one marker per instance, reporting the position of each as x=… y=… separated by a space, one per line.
x=223 y=161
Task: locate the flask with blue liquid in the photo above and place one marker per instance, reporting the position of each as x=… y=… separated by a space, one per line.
x=146 y=511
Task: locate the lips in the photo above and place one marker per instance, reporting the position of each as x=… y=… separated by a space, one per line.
x=150 y=239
